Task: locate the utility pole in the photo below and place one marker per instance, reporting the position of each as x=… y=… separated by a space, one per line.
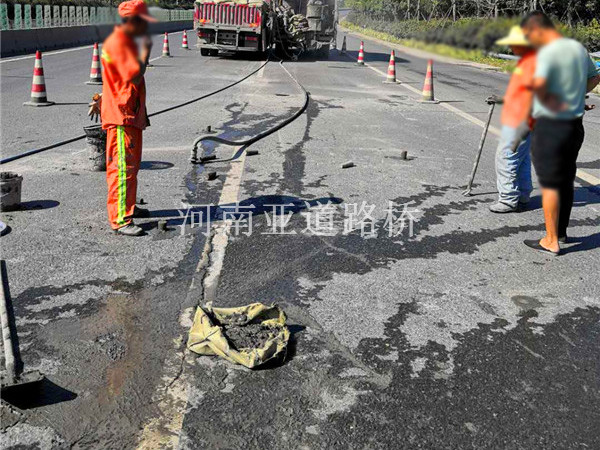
x=454 y=10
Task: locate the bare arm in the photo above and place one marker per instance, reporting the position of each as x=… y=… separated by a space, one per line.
x=592 y=83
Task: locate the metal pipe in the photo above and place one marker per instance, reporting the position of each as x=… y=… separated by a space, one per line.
x=9 y=351
x=467 y=191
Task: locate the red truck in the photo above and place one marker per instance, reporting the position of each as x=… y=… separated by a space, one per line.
x=253 y=25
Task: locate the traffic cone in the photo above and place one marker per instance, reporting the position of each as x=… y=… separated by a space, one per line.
x=166 y=51
x=391 y=73
x=184 y=42
x=38 y=87
x=96 y=71
x=361 y=54
x=343 y=51
x=428 y=96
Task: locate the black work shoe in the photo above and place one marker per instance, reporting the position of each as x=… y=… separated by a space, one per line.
x=140 y=213
x=535 y=244
x=130 y=230
x=563 y=239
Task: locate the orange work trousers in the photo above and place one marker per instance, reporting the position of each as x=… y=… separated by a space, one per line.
x=123 y=157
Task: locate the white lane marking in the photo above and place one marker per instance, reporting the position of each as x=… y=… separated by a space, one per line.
x=58 y=52
x=164 y=431
x=582 y=175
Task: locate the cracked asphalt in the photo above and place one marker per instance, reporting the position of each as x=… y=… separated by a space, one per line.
x=455 y=337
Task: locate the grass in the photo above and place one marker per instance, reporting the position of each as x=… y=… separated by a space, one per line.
x=440 y=49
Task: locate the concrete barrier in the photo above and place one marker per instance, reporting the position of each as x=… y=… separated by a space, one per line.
x=18 y=42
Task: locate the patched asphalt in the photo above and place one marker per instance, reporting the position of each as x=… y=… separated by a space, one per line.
x=455 y=337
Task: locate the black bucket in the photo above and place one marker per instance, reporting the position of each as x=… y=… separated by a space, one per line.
x=96 y=141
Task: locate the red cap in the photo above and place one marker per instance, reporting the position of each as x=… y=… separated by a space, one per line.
x=133 y=8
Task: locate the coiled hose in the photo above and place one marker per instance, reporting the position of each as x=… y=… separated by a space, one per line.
x=246 y=142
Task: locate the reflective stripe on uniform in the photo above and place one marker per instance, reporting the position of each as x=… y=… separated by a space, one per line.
x=122 y=176
x=106 y=57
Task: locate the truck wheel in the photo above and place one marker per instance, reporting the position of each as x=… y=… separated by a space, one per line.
x=204 y=51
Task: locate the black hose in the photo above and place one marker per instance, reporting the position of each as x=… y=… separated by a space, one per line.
x=77 y=138
x=258 y=137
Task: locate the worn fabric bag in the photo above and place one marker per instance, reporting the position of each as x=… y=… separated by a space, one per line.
x=207 y=336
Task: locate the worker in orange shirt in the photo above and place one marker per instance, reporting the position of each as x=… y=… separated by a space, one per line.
x=513 y=159
x=122 y=108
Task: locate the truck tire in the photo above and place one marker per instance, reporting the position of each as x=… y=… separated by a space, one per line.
x=205 y=51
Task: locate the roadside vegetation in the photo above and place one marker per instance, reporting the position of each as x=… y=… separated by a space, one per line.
x=465 y=33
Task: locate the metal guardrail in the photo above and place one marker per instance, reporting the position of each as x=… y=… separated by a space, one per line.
x=27 y=17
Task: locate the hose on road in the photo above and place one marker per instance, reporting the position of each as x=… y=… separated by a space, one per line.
x=77 y=138
x=246 y=142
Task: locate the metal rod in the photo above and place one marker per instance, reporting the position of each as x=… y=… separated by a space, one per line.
x=467 y=191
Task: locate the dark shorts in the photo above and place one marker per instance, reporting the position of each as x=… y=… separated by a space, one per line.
x=555 y=146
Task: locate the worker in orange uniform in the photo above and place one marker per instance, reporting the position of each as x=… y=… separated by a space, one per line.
x=122 y=108
x=513 y=159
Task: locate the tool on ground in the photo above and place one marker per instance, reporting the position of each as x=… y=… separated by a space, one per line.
x=391 y=72
x=38 y=86
x=428 y=95
x=165 y=50
x=96 y=70
x=184 y=41
x=343 y=50
x=492 y=103
x=14 y=376
x=361 y=54
x=249 y=335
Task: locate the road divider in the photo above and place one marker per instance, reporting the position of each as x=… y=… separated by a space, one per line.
x=428 y=94
x=391 y=73
x=38 y=85
x=360 y=61
x=165 y=51
x=343 y=50
x=184 y=41
x=96 y=70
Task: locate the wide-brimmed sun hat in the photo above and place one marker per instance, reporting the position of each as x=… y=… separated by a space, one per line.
x=515 y=37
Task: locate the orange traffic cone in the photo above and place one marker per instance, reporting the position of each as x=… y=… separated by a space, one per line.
x=391 y=73
x=184 y=42
x=38 y=86
x=96 y=71
x=428 y=96
x=343 y=51
x=166 y=51
x=361 y=54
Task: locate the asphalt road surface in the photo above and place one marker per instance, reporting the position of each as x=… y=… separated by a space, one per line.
x=453 y=336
